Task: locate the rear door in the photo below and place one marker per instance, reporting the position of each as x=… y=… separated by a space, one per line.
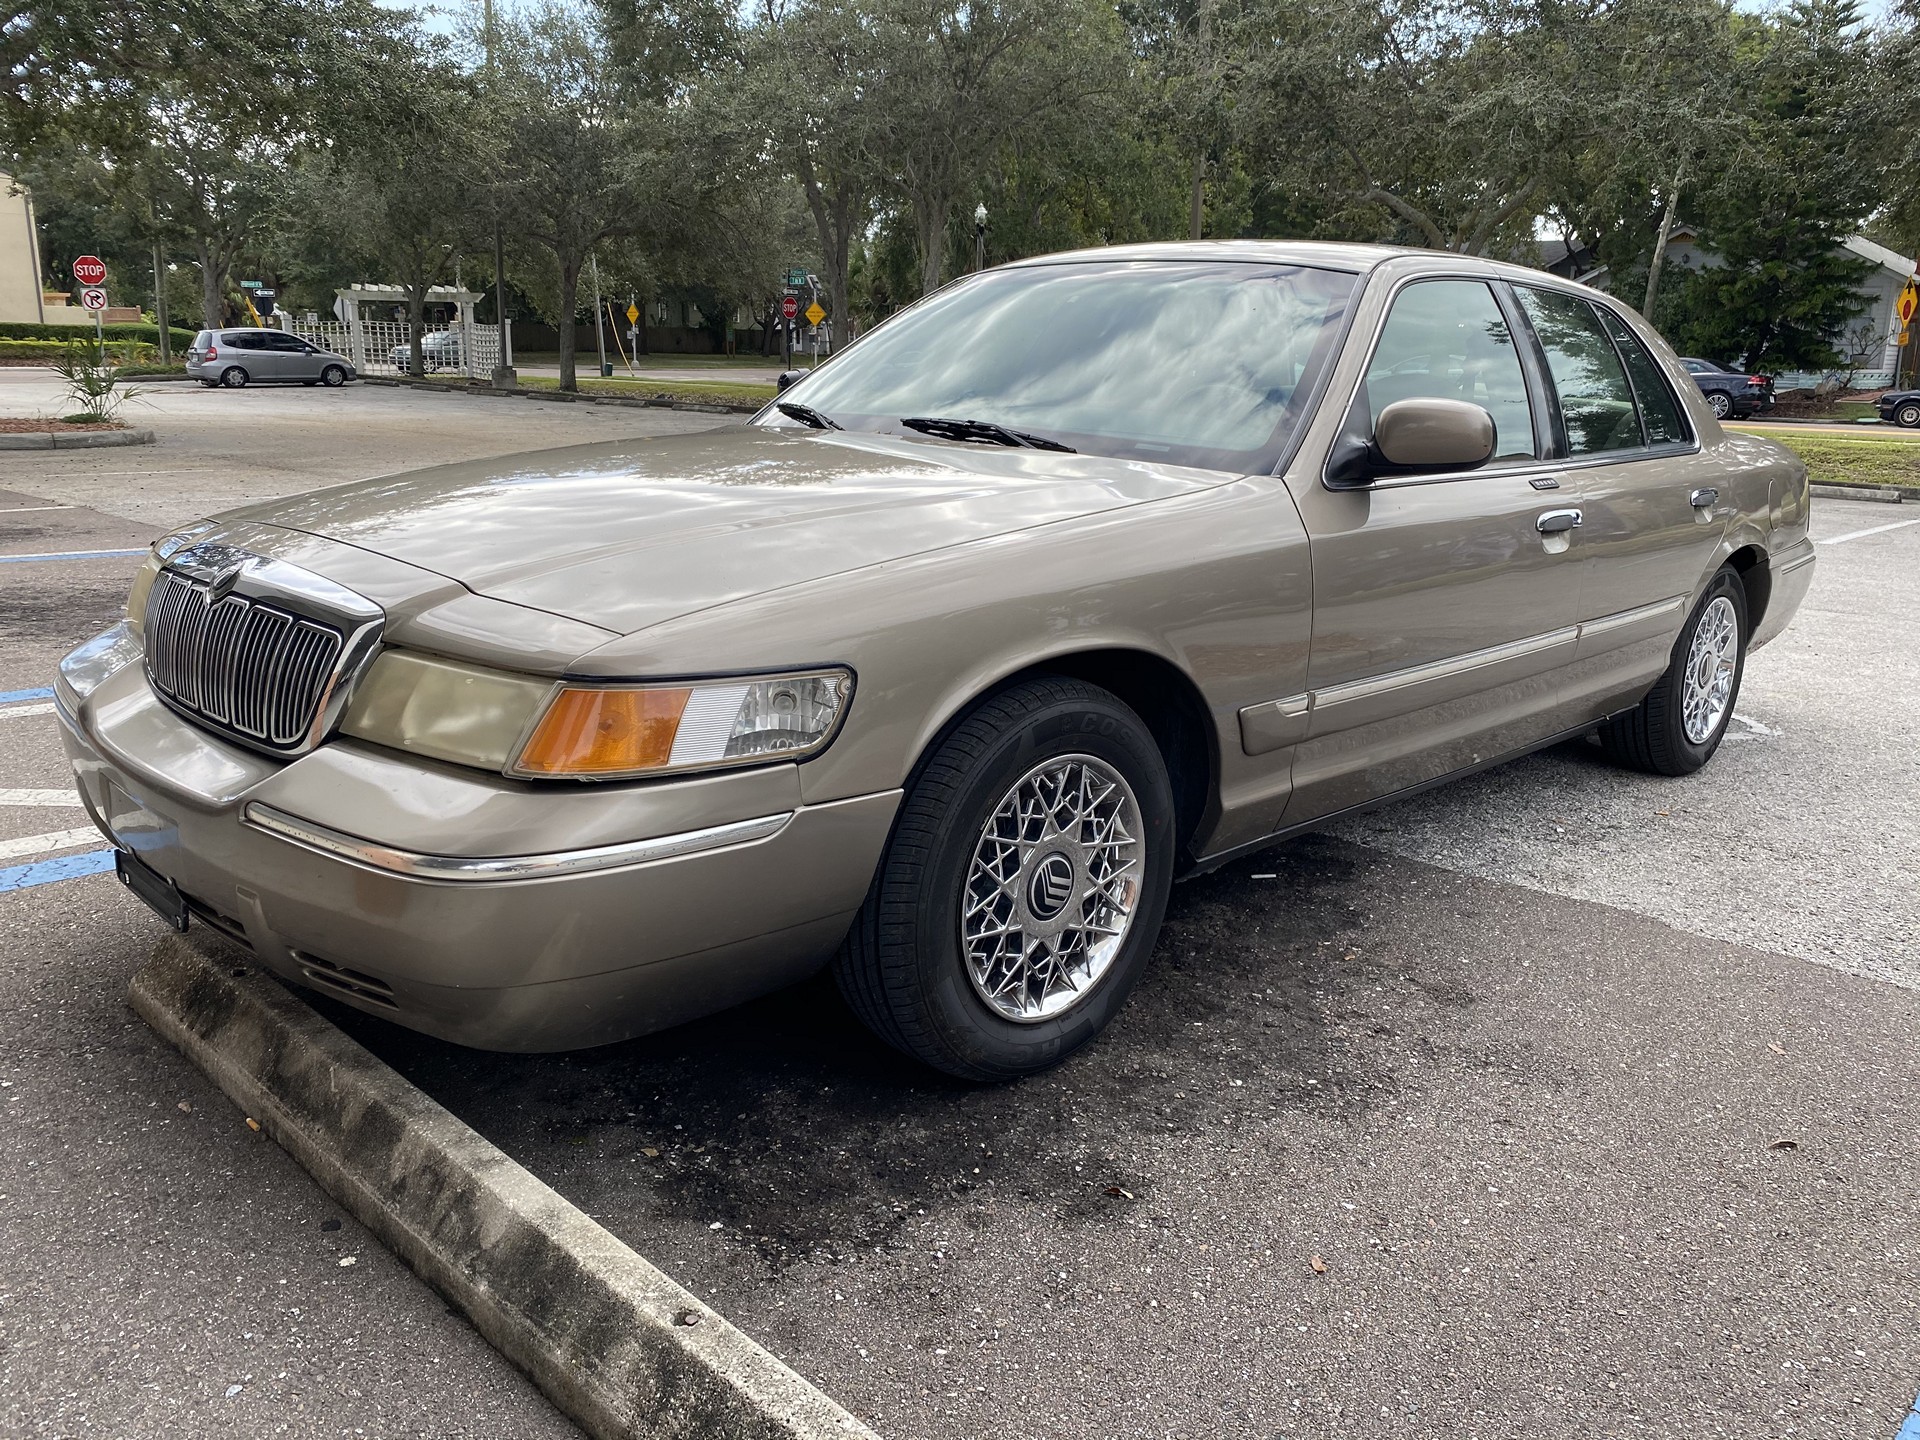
x=1442 y=611
x=1651 y=517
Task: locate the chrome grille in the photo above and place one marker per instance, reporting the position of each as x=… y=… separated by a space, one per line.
x=241 y=664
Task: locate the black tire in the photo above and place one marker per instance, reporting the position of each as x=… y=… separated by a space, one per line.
x=234 y=378
x=902 y=968
x=1653 y=735
x=333 y=376
x=1721 y=404
x=211 y=384
x=1907 y=414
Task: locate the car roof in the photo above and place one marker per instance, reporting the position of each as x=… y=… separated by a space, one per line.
x=1323 y=254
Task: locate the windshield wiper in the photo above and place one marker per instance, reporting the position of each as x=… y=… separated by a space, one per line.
x=806 y=415
x=985 y=430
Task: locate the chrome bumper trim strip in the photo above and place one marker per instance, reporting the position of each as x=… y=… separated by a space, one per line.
x=508 y=867
x=1620 y=619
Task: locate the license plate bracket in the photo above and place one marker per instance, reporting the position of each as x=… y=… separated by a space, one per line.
x=163 y=897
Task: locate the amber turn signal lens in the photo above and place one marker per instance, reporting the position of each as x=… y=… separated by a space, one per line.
x=604 y=732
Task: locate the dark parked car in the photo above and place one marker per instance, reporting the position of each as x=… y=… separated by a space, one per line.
x=1730 y=393
x=1901 y=407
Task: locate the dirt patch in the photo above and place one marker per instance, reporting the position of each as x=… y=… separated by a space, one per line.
x=15 y=425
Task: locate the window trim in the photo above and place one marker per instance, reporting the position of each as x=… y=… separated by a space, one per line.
x=1496 y=467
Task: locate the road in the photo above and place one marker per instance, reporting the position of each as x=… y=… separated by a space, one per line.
x=1558 y=1101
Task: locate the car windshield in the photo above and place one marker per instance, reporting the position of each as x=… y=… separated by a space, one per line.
x=1208 y=364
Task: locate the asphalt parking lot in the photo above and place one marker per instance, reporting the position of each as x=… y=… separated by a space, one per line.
x=1557 y=1102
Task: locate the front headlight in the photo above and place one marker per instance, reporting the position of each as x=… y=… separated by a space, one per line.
x=546 y=730
x=591 y=732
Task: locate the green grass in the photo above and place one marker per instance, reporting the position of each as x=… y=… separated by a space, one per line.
x=1879 y=460
x=658 y=360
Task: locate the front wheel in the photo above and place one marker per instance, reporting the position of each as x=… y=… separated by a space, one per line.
x=1023 y=886
x=1676 y=729
x=333 y=376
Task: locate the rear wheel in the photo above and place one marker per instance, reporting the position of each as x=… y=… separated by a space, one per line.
x=233 y=377
x=1721 y=404
x=1676 y=729
x=333 y=376
x=1908 y=414
x=1023 y=887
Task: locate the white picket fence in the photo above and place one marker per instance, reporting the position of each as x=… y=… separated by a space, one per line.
x=370 y=345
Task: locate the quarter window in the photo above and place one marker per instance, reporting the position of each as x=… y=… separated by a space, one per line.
x=1659 y=411
x=1596 y=402
x=1448 y=339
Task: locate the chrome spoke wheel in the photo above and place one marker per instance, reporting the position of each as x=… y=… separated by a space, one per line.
x=1711 y=662
x=1052 y=888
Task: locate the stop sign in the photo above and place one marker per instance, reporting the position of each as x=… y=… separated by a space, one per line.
x=790 y=306
x=90 y=270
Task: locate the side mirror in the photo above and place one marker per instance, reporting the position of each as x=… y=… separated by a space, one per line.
x=786 y=379
x=1429 y=433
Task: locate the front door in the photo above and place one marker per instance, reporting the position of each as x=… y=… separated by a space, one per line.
x=1445 y=605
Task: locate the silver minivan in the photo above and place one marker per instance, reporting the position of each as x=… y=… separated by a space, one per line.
x=245 y=355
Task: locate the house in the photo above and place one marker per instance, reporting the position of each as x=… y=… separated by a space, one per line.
x=1871 y=339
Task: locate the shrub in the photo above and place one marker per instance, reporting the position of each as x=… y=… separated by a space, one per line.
x=31 y=330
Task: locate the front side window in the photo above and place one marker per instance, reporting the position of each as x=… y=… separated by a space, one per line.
x=1205 y=363
x=1659 y=411
x=1447 y=339
x=1596 y=403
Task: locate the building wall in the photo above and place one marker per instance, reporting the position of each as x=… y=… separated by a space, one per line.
x=19 y=256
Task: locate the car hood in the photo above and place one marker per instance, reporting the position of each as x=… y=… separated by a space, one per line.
x=632 y=533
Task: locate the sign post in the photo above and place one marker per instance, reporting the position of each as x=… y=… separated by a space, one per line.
x=91 y=272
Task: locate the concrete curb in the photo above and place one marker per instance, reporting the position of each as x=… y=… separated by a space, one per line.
x=521 y=392
x=1888 y=494
x=613 y=1342
x=75 y=439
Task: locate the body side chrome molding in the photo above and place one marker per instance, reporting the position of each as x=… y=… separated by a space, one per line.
x=414 y=866
x=1273 y=723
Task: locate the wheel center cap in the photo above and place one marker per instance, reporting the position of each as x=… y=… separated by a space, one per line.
x=1051 y=886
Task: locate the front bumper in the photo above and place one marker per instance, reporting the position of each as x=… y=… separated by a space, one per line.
x=488 y=912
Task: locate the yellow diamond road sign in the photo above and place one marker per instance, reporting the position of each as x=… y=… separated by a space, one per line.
x=1907 y=304
x=633 y=314
x=815 y=314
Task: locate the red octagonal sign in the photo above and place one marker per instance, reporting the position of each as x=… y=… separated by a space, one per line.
x=90 y=270
x=790 y=305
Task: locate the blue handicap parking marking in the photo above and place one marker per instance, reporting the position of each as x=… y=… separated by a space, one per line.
x=70 y=555
x=1910 y=1428
x=7 y=697
x=46 y=872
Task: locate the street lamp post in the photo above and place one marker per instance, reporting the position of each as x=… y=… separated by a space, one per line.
x=980 y=236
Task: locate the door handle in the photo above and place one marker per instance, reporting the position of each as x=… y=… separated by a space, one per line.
x=1555 y=521
x=1705 y=498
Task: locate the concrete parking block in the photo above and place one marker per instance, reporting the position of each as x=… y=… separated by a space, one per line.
x=613 y=1341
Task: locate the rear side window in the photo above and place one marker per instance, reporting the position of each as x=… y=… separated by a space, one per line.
x=1596 y=402
x=1448 y=339
x=242 y=340
x=1659 y=411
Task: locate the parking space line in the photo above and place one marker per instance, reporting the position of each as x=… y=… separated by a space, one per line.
x=46 y=872
x=15 y=711
x=51 y=799
x=1862 y=534
x=71 y=555
x=48 y=843
x=23 y=509
x=43 y=692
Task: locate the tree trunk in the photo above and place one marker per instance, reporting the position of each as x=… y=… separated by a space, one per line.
x=417 y=322
x=569 y=302
x=213 y=274
x=1660 y=250
x=163 y=318
x=1199 y=193
x=930 y=222
x=833 y=224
